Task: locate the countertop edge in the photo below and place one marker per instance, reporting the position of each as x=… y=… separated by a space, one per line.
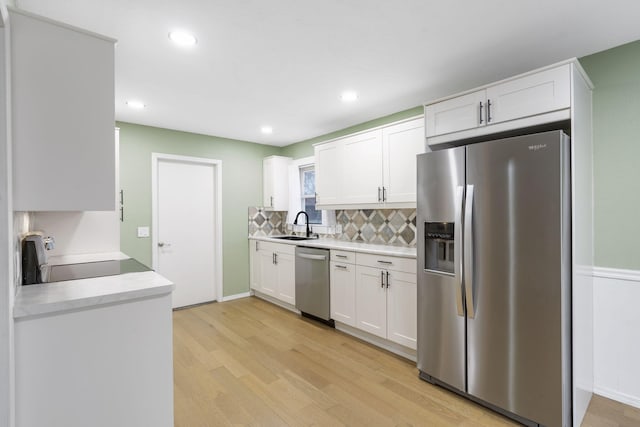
x=59 y=297
x=369 y=248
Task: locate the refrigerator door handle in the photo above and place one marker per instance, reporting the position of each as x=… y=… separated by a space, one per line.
x=468 y=253
x=457 y=248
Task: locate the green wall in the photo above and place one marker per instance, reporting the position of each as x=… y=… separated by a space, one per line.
x=305 y=148
x=241 y=188
x=616 y=134
x=616 y=107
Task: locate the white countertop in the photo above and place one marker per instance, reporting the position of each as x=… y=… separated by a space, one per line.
x=54 y=297
x=328 y=243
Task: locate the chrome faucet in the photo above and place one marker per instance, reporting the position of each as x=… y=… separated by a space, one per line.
x=295 y=221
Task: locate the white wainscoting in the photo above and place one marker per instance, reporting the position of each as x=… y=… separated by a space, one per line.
x=616 y=307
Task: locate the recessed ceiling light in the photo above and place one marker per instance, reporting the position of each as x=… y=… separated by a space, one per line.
x=267 y=130
x=182 y=38
x=349 y=96
x=136 y=105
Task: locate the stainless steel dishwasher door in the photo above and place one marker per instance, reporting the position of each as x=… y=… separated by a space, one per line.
x=312 y=282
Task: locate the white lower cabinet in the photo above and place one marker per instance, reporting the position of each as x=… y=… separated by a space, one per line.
x=375 y=294
x=371 y=301
x=273 y=270
x=342 y=287
x=402 y=315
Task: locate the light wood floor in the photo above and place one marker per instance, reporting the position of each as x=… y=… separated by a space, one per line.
x=248 y=362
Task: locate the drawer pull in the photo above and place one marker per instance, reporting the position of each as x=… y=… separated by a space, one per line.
x=385 y=262
x=344 y=267
x=341 y=256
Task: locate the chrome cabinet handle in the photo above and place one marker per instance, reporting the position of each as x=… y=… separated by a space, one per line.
x=343 y=267
x=379 y=199
x=385 y=262
x=481 y=112
x=457 y=248
x=468 y=253
x=384 y=194
x=341 y=256
x=163 y=244
x=382 y=279
x=275 y=258
x=488 y=110
x=387 y=280
x=312 y=257
x=271 y=198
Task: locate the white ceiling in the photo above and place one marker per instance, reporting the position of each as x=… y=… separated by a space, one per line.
x=284 y=63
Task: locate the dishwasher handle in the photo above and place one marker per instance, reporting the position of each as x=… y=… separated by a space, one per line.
x=312 y=257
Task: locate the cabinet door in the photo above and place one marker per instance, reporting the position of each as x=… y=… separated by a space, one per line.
x=254 y=265
x=362 y=157
x=371 y=301
x=267 y=273
x=343 y=293
x=401 y=144
x=275 y=183
x=328 y=170
x=402 y=319
x=456 y=114
x=285 y=277
x=537 y=93
x=62 y=83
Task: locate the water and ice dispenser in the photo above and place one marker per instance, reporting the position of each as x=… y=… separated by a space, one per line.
x=439 y=246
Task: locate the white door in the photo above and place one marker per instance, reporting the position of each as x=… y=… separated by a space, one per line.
x=185 y=229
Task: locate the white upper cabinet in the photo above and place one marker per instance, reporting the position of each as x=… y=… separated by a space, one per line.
x=401 y=144
x=534 y=94
x=527 y=100
x=62 y=85
x=362 y=158
x=275 y=182
x=329 y=171
x=456 y=114
x=373 y=169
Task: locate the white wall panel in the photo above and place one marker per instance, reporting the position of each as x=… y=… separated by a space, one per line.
x=616 y=335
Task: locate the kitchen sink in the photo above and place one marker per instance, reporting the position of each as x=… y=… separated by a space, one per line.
x=293 y=237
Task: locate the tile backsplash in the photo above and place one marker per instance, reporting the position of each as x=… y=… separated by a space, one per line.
x=266 y=223
x=381 y=226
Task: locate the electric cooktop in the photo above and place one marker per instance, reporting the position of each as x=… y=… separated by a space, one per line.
x=89 y=270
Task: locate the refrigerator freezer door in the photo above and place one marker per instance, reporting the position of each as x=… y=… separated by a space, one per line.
x=517 y=359
x=441 y=323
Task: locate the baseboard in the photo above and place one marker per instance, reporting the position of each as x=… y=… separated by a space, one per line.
x=391 y=346
x=235 y=296
x=275 y=301
x=617 y=396
x=617 y=274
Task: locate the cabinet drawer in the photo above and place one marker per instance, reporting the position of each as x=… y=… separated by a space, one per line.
x=282 y=248
x=343 y=256
x=407 y=265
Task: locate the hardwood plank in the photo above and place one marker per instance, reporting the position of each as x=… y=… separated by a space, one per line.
x=249 y=362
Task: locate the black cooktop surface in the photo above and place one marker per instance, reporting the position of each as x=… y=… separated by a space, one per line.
x=88 y=270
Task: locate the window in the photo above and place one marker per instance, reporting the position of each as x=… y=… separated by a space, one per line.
x=308 y=187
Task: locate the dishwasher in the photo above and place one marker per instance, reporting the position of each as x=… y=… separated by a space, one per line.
x=312 y=283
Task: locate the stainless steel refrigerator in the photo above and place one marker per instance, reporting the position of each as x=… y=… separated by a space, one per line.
x=494 y=279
